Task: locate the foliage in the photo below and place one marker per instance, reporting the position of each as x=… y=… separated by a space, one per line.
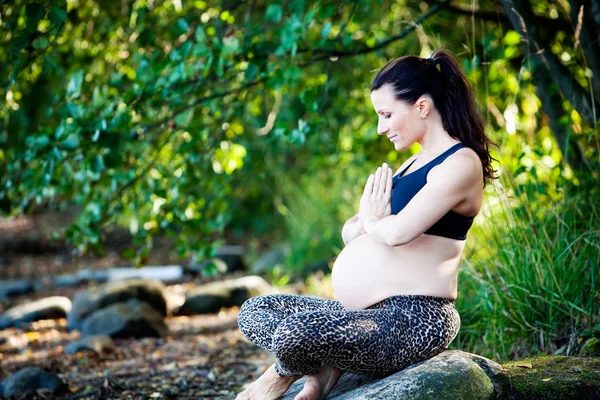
x=531 y=284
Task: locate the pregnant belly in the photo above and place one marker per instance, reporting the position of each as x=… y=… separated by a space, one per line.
x=364 y=271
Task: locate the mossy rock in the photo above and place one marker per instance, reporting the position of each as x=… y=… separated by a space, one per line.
x=551 y=377
x=591 y=348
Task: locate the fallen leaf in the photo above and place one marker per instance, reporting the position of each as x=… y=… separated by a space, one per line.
x=525 y=365
x=546 y=379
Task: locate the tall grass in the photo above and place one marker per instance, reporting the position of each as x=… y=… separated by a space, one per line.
x=531 y=284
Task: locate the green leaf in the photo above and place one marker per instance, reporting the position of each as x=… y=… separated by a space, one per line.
x=200 y=35
x=57 y=15
x=184 y=118
x=71 y=142
x=97 y=164
x=40 y=43
x=512 y=38
x=42 y=141
x=74 y=86
x=326 y=29
x=180 y=27
x=251 y=72
x=230 y=45
x=273 y=13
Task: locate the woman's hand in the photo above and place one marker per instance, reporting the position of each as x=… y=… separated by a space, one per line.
x=376 y=201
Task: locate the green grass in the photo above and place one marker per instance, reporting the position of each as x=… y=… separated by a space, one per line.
x=530 y=285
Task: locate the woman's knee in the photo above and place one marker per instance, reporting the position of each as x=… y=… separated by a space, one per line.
x=295 y=334
x=256 y=302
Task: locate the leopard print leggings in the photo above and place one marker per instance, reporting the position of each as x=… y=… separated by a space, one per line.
x=305 y=332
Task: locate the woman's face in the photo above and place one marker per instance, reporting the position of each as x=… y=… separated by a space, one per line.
x=399 y=121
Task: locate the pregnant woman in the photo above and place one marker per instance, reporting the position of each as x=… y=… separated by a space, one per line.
x=396 y=279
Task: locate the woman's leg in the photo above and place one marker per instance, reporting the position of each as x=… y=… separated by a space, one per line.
x=304 y=332
x=258 y=319
x=385 y=338
x=260 y=316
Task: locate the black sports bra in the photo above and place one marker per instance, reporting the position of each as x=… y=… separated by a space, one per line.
x=452 y=225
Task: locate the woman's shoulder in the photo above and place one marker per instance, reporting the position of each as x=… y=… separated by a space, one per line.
x=466 y=161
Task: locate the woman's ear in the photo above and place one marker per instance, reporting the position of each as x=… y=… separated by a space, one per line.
x=424 y=107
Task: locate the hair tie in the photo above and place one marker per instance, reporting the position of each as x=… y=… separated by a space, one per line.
x=433 y=61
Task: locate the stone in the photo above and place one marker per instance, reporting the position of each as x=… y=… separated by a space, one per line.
x=165 y=273
x=233 y=257
x=28 y=380
x=99 y=344
x=551 y=378
x=53 y=307
x=591 y=347
x=15 y=287
x=270 y=259
x=133 y=318
x=66 y=280
x=92 y=275
x=448 y=375
x=88 y=301
x=210 y=298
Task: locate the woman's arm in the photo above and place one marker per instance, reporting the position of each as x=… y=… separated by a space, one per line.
x=352 y=229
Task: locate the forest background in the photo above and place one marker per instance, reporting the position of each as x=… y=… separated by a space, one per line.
x=250 y=122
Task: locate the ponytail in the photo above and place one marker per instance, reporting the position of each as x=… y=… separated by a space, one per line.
x=440 y=76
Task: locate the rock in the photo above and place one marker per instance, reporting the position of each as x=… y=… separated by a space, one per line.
x=165 y=273
x=591 y=348
x=15 y=288
x=448 y=375
x=233 y=257
x=210 y=298
x=99 y=344
x=49 y=308
x=29 y=380
x=227 y=259
x=552 y=378
x=216 y=263
x=88 y=301
x=66 y=280
x=92 y=275
x=271 y=258
x=133 y=318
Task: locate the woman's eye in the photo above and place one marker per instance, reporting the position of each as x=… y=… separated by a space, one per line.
x=387 y=116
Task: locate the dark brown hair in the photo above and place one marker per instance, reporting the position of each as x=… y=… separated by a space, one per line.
x=410 y=77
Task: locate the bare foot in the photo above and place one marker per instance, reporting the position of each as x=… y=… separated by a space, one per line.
x=318 y=385
x=269 y=386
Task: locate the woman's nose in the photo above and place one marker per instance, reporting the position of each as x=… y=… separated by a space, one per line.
x=381 y=129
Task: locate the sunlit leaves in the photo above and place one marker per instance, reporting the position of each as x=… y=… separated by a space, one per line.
x=273 y=13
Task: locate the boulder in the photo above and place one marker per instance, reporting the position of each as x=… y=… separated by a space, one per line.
x=133 y=318
x=88 y=301
x=591 y=347
x=92 y=275
x=210 y=298
x=271 y=258
x=12 y=288
x=227 y=259
x=49 y=308
x=451 y=374
x=99 y=344
x=551 y=378
x=66 y=280
x=166 y=273
x=233 y=257
x=28 y=381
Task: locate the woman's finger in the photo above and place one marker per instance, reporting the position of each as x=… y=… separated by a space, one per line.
x=383 y=181
x=369 y=185
x=377 y=182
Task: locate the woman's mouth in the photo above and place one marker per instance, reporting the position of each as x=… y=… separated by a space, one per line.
x=392 y=138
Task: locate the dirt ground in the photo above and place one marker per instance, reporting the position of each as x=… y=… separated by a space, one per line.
x=205 y=357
